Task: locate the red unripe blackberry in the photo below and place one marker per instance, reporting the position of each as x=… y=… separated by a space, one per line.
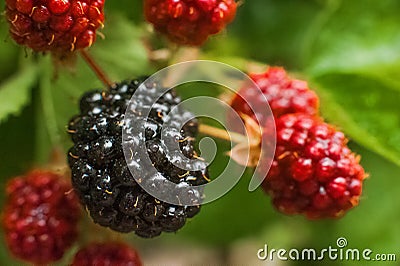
x=40 y=217
x=284 y=95
x=314 y=173
x=54 y=25
x=189 y=22
x=107 y=254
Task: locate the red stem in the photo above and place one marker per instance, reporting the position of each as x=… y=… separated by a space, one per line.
x=96 y=68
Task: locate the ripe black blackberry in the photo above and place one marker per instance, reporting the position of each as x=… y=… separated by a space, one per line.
x=100 y=173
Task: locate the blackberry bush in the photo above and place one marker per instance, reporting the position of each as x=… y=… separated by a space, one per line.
x=350 y=56
x=100 y=174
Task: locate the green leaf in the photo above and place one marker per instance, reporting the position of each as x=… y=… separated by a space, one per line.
x=355 y=41
x=354 y=62
x=15 y=92
x=16 y=144
x=267 y=30
x=131 y=9
x=9 y=50
x=121 y=54
x=366 y=110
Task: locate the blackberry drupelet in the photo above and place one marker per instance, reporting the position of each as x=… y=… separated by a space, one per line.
x=100 y=173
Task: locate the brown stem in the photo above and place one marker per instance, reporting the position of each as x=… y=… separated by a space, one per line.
x=96 y=68
x=222 y=134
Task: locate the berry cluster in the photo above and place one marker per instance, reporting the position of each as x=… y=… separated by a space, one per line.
x=40 y=217
x=313 y=171
x=100 y=173
x=54 y=25
x=105 y=254
x=189 y=22
x=283 y=94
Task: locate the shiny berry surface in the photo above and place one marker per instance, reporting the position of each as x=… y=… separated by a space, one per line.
x=314 y=173
x=60 y=26
x=189 y=22
x=40 y=217
x=100 y=173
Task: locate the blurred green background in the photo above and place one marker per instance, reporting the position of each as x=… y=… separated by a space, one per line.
x=349 y=51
